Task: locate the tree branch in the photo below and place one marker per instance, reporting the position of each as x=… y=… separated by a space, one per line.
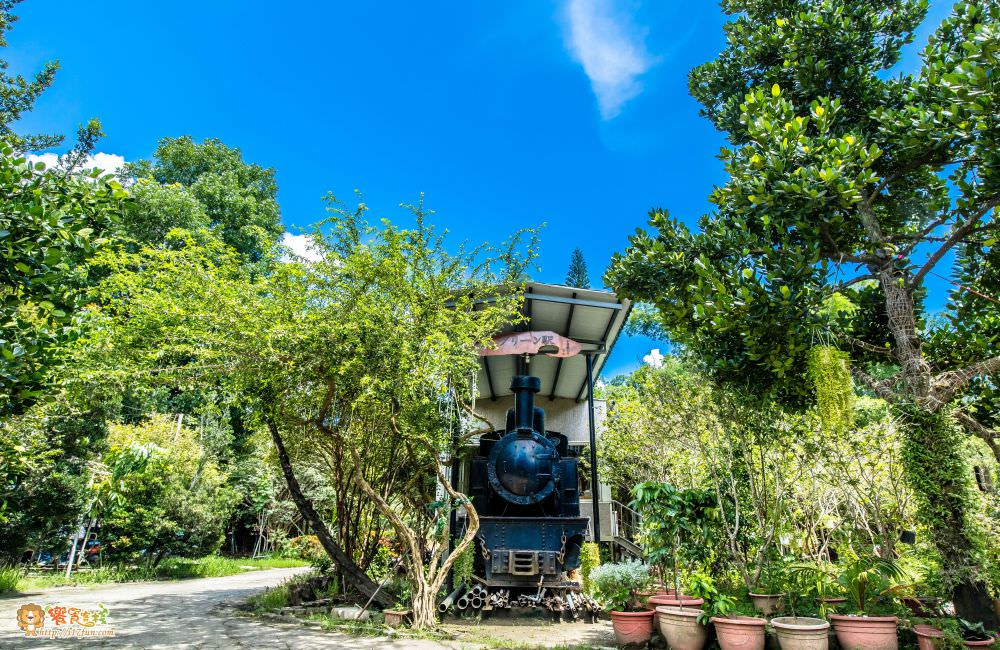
x=864 y=345
x=880 y=388
x=946 y=385
x=973 y=426
x=956 y=237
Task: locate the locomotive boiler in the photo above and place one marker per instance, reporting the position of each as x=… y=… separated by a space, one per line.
x=524 y=485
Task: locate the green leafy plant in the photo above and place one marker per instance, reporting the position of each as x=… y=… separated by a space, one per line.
x=868 y=581
x=10 y=576
x=830 y=372
x=618 y=585
x=462 y=569
x=590 y=558
x=679 y=526
x=813 y=581
x=701 y=585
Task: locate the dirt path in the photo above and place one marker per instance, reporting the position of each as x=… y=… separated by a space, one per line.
x=184 y=614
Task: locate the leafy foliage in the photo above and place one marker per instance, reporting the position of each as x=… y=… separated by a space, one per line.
x=839 y=175
x=617 y=586
x=172 y=499
x=381 y=334
x=462 y=569
x=829 y=369
x=205 y=183
x=868 y=580
x=678 y=526
x=50 y=225
x=590 y=558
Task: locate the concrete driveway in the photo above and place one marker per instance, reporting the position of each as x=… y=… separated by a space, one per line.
x=183 y=614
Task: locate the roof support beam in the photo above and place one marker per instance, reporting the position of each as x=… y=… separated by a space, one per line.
x=489 y=378
x=569 y=323
x=604 y=338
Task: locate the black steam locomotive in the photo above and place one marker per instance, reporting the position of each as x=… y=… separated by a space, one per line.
x=525 y=488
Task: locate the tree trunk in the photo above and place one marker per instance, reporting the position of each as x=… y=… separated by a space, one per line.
x=939 y=476
x=424 y=606
x=351 y=572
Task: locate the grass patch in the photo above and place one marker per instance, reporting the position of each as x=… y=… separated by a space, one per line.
x=10 y=577
x=212 y=566
x=269 y=599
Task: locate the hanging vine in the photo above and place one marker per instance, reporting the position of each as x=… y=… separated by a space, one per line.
x=829 y=370
x=462 y=569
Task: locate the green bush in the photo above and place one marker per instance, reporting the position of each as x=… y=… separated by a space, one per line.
x=305 y=547
x=165 y=497
x=10 y=576
x=617 y=585
x=590 y=558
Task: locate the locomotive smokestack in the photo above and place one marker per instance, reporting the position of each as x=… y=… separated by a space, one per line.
x=524 y=388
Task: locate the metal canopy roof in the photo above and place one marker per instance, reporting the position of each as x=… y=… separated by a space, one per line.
x=592 y=318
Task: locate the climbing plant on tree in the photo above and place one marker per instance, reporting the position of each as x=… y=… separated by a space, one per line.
x=843 y=179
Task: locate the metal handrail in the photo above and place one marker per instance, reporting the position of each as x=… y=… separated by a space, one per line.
x=629 y=521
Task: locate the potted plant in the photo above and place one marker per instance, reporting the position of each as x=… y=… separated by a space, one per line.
x=801 y=632
x=868 y=582
x=617 y=586
x=927 y=635
x=678 y=532
x=734 y=631
x=684 y=627
x=818 y=580
x=769 y=596
x=971 y=635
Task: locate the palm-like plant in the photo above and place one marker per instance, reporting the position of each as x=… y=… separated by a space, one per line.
x=870 y=579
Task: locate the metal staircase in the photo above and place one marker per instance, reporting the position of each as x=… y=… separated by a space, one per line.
x=625 y=524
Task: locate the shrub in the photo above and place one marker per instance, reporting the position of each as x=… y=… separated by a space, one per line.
x=590 y=558
x=305 y=547
x=10 y=576
x=617 y=585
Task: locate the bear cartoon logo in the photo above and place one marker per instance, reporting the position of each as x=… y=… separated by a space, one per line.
x=30 y=618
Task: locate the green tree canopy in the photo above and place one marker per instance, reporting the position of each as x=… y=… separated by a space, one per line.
x=205 y=183
x=844 y=181
x=374 y=345
x=51 y=224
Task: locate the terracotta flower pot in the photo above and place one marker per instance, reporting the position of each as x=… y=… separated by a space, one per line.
x=926 y=635
x=978 y=644
x=801 y=633
x=671 y=600
x=739 y=632
x=632 y=627
x=865 y=632
x=767 y=604
x=680 y=627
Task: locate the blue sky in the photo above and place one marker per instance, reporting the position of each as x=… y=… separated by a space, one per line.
x=571 y=113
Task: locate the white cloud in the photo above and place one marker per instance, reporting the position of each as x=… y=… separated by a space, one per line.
x=610 y=49
x=107 y=162
x=301 y=246
x=654 y=358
